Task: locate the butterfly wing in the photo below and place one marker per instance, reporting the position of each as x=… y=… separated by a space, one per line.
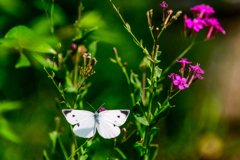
x=109 y=121
x=84 y=121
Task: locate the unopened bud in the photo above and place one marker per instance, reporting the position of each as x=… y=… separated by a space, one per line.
x=89 y=59
x=74 y=46
x=169 y=15
x=124 y=64
x=149 y=17
x=175 y=17
x=94 y=61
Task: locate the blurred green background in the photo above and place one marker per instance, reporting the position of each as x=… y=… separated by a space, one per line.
x=203 y=125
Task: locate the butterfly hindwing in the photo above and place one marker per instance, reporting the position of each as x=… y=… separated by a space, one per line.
x=107 y=129
x=117 y=117
x=85 y=125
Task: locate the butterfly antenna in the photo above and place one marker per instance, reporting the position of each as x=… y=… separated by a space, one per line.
x=100 y=106
x=91 y=106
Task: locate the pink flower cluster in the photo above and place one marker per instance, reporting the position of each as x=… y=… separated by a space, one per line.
x=180 y=81
x=202 y=18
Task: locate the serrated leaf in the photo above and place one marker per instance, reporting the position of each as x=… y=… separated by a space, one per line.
x=92 y=48
x=22 y=61
x=139 y=114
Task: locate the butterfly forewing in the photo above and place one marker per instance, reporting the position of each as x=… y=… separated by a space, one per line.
x=76 y=116
x=84 y=121
x=117 y=117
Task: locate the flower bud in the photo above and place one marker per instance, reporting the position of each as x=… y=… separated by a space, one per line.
x=94 y=61
x=149 y=17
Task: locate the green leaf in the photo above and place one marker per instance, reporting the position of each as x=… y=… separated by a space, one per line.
x=92 y=48
x=153 y=134
x=128 y=27
x=58 y=149
x=6 y=106
x=158 y=72
x=145 y=63
x=139 y=147
x=7 y=133
x=84 y=157
x=161 y=113
x=159 y=53
x=139 y=114
x=157 y=61
x=67 y=105
x=121 y=153
x=45 y=156
x=23 y=37
x=112 y=60
x=152 y=151
x=22 y=61
x=44 y=62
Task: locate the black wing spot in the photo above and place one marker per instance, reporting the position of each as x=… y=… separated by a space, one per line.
x=73 y=115
x=125 y=113
x=114 y=125
x=78 y=124
x=118 y=116
x=67 y=112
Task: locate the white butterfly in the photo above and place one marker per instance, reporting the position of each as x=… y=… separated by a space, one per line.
x=106 y=122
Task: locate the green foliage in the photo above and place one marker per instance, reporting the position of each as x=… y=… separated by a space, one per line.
x=139 y=113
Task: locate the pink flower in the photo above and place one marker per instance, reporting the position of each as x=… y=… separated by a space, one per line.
x=196 y=24
x=164 y=5
x=183 y=61
x=214 y=24
x=196 y=69
x=180 y=82
x=172 y=75
x=101 y=109
x=203 y=11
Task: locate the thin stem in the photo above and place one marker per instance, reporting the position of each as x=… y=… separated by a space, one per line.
x=78 y=92
x=79 y=11
x=61 y=92
x=135 y=39
x=144 y=85
x=180 y=56
x=175 y=94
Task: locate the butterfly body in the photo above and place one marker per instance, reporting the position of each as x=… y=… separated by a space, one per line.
x=106 y=122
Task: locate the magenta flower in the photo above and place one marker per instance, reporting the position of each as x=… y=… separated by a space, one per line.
x=196 y=24
x=203 y=11
x=183 y=61
x=180 y=82
x=214 y=24
x=101 y=109
x=199 y=76
x=196 y=69
x=164 y=5
x=172 y=75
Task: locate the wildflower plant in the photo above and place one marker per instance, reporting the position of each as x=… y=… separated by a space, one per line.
x=146 y=112
x=70 y=67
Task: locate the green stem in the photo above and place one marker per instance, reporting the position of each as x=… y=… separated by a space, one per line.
x=180 y=56
x=56 y=86
x=175 y=94
x=129 y=85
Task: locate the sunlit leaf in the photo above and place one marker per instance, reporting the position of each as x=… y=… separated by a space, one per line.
x=22 y=61
x=45 y=156
x=92 y=48
x=7 y=132
x=26 y=39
